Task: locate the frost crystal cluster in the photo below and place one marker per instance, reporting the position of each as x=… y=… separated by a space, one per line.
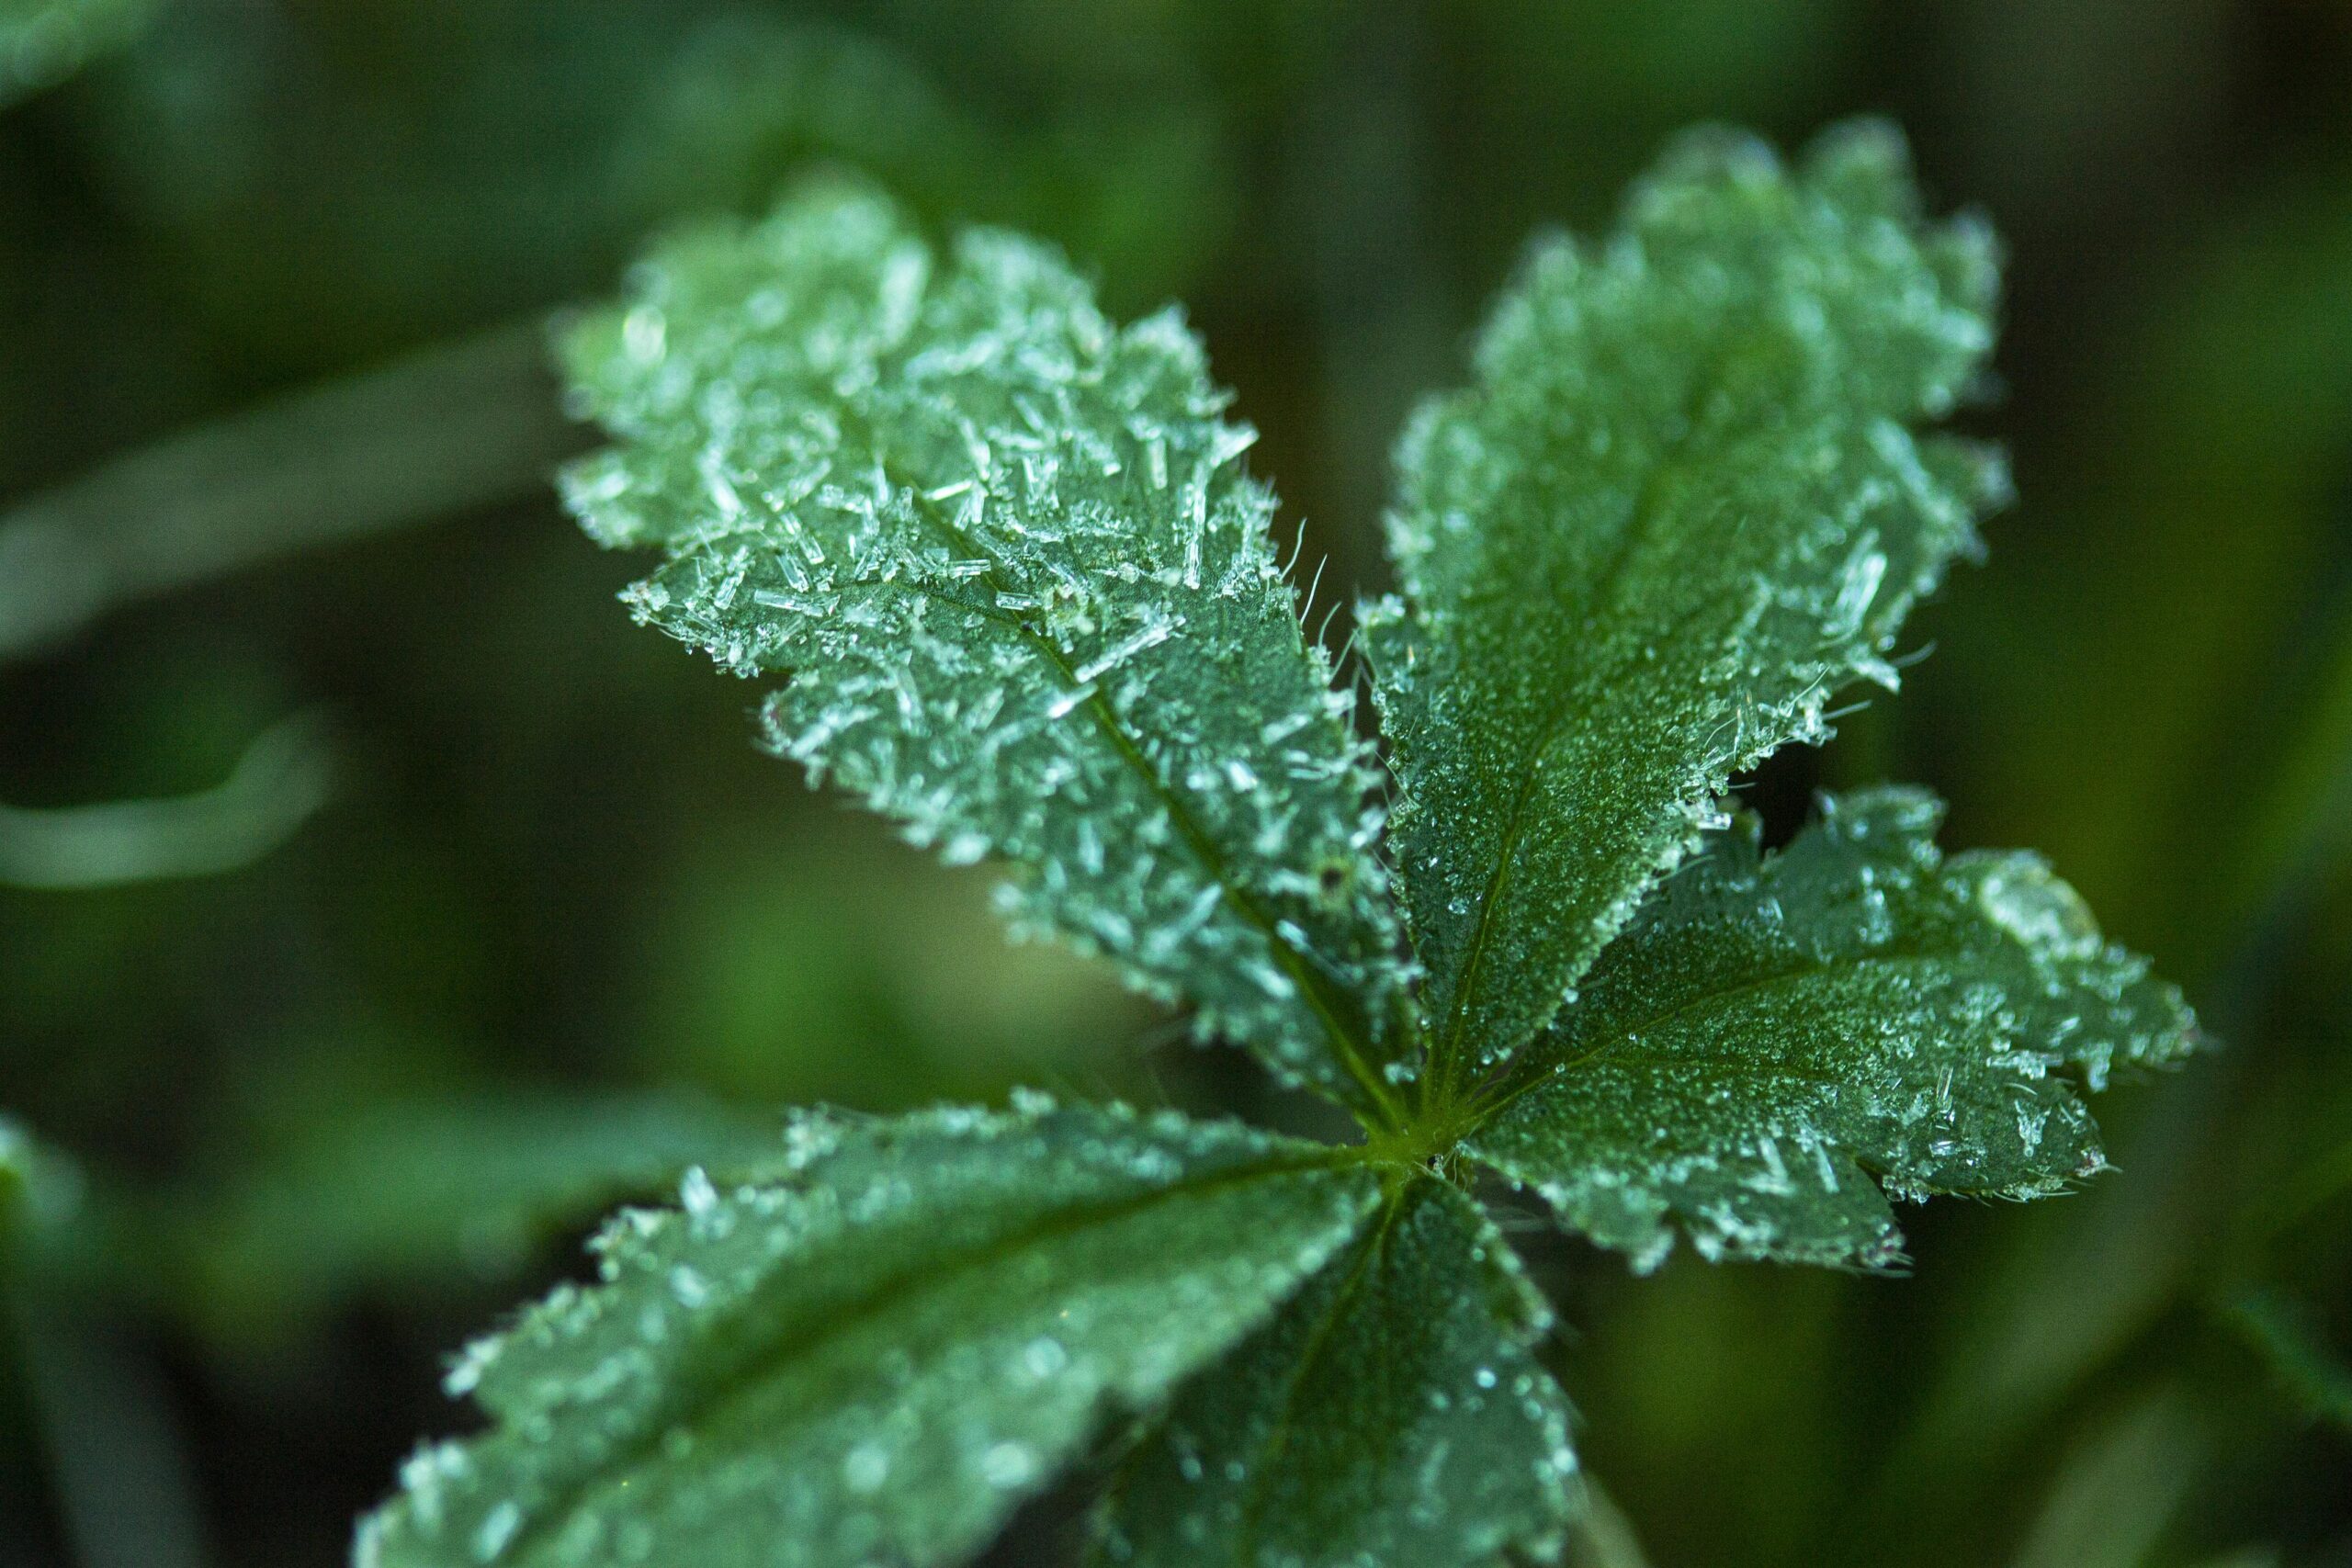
x=1001 y=566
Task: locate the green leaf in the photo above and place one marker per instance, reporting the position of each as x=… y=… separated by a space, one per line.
x=1024 y=590
x=1390 y=1414
x=1682 y=506
x=1773 y=1033
x=872 y=1355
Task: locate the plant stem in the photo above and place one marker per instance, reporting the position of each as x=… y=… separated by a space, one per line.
x=282 y=780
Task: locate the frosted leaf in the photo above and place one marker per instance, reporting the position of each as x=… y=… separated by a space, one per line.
x=1002 y=556
x=1391 y=1414
x=892 y=1337
x=1007 y=553
x=1776 y=1038
x=1682 y=506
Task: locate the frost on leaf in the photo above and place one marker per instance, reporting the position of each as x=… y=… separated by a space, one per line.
x=1683 y=503
x=1008 y=555
x=1389 y=1413
x=873 y=1353
x=1776 y=1037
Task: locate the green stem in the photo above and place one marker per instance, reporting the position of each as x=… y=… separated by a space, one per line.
x=282 y=780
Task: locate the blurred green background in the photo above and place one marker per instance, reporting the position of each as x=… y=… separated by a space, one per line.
x=377 y=905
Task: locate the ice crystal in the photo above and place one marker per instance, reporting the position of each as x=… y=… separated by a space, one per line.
x=1684 y=503
x=1292 y=1456
x=1776 y=1037
x=880 y=1347
x=1024 y=589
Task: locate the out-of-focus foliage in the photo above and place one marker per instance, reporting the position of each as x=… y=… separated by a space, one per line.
x=256 y=194
x=35 y=1188
x=300 y=473
x=518 y=151
x=44 y=42
x=384 y=1198
x=277 y=785
x=2282 y=1330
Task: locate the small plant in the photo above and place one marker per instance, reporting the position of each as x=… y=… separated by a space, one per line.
x=1022 y=597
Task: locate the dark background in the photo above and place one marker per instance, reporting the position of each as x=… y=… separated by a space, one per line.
x=558 y=929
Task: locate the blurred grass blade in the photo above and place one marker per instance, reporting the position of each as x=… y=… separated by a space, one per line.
x=44 y=42
x=2120 y=1488
x=461 y=425
x=38 y=1187
x=2295 y=1200
x=398 y=1198
x=2283 y=1331
x=1601 y=1536
x=2299 y=838
x=116 y=1462
x=17 y=1175
x=282 y=780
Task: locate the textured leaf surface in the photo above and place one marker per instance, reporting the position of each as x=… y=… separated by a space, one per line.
x=1681 y=506
x=874 y=1356
x=1024 y=586
x=1775 y=1031
x=1390 y=1414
